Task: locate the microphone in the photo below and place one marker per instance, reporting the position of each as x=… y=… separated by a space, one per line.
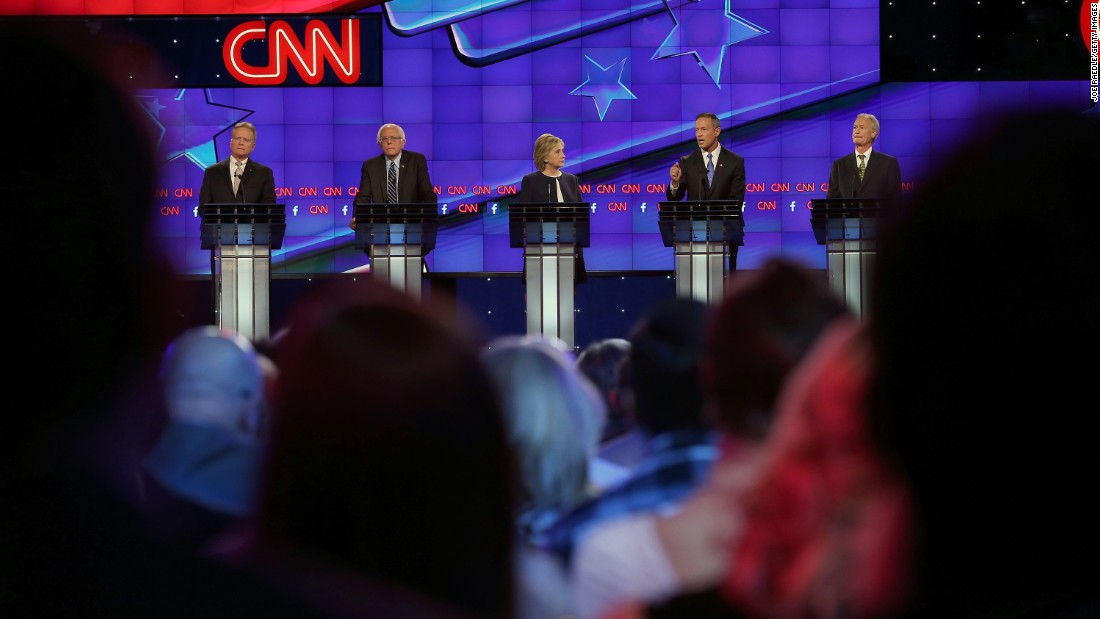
x=240 y=186
x=703 y=185
x=855 y=183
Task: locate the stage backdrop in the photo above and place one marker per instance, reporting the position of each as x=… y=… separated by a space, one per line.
x=473 y=85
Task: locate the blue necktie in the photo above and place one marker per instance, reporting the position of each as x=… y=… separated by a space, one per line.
x=710 y=169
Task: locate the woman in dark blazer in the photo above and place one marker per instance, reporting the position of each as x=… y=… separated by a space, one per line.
x=551 y=184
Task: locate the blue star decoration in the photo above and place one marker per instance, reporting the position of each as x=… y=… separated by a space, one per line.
x=188 y=122
x=604 y=86
x=704 y=31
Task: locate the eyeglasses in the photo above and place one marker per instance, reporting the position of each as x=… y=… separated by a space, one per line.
x=390 y=139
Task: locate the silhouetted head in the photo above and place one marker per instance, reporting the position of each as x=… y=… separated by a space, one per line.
x=388 y=451
x=213 y=377
x=600 y=362
x=666 y=347
x=767 y=321
x=554 y=415
x=985 y=306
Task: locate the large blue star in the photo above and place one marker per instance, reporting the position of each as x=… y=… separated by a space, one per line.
x=705 y=32
x=188 y=122
x=604 y=86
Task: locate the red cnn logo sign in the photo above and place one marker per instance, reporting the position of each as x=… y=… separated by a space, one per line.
x=308 y=58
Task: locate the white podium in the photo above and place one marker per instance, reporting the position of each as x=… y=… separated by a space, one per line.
x=397 y=237
x=550 y=235
x=240 y=238
x=701 y=232
x=847 y=229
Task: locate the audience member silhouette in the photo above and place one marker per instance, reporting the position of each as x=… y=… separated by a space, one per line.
x=202 y=475
x=666 y=347
x=984 y=314
x=600 y=362
x=554 y=416
x=388 y=466
x=765 y=325
x=72 y=537
x=825 y=532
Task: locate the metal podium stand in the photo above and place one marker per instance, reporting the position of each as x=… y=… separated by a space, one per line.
x=701 y=233
x=240 y=238
x=397 y=237
x=550 y=234
x=846 y=227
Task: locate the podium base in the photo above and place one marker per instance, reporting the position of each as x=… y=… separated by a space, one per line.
x=850 y=263
x=701 y=270
x=550 y=277
x=243 y=288
x=400 y=265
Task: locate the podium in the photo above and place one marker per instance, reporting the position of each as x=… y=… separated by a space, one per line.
x=397 y=237
x=240 y=238
x=846 y=227
x=550 y=234
x=701 y=233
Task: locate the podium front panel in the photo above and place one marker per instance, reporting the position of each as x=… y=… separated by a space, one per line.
x=550 y=279
x=848 y=227
x=243 y=281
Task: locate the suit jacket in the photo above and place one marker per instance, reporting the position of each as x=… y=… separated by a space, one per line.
x=537 y=187
x=729 y=177
x=881 y=179
x=257 y=184
x=729 y=182
x=413 y=184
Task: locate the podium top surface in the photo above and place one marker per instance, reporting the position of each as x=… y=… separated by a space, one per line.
x=699 y=209
x=242 y=223
x=395 y=213
x=549 y=222
x=550 y=211
x=243 y=212
x=847 y=207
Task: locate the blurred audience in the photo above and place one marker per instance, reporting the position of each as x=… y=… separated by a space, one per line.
x=984 y=317
x=555 y=418
x=825 y=533
x=389 y=482
x=664 y=354
x=202 y=474
x=768 y=321
x=600 y=361
x=72 y=536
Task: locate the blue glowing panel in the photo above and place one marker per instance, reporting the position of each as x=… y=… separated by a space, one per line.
x=475 y=83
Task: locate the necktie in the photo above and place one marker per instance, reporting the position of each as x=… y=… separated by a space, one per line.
x=710 y=169
x=391 y=183
x=237 y=177
x=862 y=167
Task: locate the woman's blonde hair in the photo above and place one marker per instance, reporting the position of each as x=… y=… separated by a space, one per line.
x=543 y=146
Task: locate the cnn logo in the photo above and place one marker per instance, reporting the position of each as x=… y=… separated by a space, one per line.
x=309 y=55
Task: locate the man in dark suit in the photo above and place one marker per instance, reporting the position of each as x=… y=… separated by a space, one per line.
x=238 y=178
x=709 y=173
x=880 y=176
x=409 y=173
